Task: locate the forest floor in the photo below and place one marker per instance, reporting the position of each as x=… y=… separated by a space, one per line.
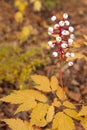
x=74 y=78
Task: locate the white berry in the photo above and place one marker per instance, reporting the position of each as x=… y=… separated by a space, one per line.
x=50 y=29
x=64 y=45
x=71 y=29
x=72 y=55
x=50 y=44
x=70 y=41
x=56 y=26
x=61 y=23
x=72 y=36
x=65 y=32
x=70 y=63
x=65 y=15
x=58 y=39
x=49 y=33
x=67 y=23
x=55 y=54
x=67 y=54
x=53 y=18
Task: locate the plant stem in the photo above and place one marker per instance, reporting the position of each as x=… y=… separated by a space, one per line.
x=60 y=73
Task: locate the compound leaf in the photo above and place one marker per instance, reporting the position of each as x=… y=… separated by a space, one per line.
x=62 y=122
x=26 y=98
x=18 y=124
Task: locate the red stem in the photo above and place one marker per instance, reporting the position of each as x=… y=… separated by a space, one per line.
x=60 y=74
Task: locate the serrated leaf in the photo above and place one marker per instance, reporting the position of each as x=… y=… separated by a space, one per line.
x=69 y=105
x=83 y=111
x=27 y=105
x=62 y=122
x=43 y=83
x=26 y=98
x=54 y=83
x=72 y=113
x=50 y=114
x=38 y=115
x=17 y=124
x=56 y=103
x=60 y=93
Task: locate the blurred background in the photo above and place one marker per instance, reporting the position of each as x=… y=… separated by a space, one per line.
x=24 y=49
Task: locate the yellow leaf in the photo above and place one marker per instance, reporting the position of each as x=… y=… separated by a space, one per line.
x=60 y=93
x=18 y=17
x=85 y=43
x=62 y=122
x=38 y=115
x=43 y=83
x=27 y=105
x=78 y=43
x=83 y=111
x=72 y=113
x=50 y=114
x=26 y=30
x=85 y=36
x=22 y=6
x=69 y=105
x=17 y=124
x=17 y=3
x=37 y=5
x=56 y=103
x=54 y=83
x=26 y=98
x=84 y=123
x=25 y=33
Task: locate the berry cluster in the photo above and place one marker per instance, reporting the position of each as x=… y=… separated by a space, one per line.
x=64 y=38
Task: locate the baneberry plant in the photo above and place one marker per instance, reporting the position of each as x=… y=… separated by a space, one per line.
x=64 y=38
x=46 y=101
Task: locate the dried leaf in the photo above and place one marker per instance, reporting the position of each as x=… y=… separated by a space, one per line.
x=54 y=83
x=62 y=122
x=17 y=124
x=77 y=56
x=38 y=115
x=43 y=83
x=50 y=114
x=73 y=95
x=78 y=43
